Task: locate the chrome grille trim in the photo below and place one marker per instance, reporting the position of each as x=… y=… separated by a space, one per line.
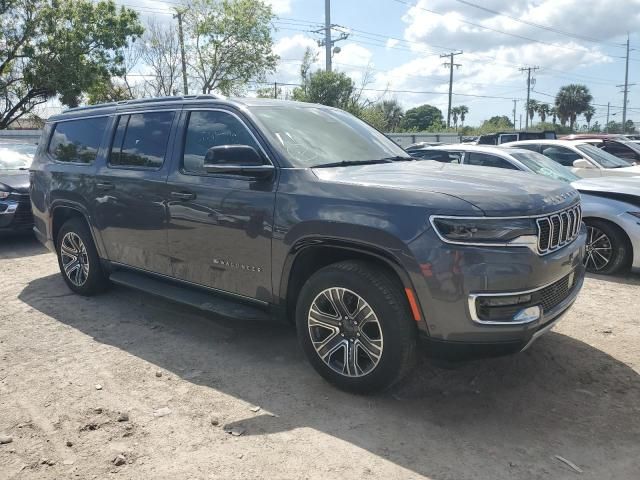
x=557 y=230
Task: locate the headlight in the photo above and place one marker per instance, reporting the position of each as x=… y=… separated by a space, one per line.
x=4 y=194
x=488 y=231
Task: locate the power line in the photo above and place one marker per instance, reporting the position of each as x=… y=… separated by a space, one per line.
x=537 y=25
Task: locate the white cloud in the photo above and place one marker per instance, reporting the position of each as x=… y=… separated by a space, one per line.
x=392 y=42
x=280 y=7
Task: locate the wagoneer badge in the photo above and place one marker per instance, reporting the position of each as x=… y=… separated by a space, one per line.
x=238 y=266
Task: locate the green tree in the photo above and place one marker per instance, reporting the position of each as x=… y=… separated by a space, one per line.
x=58 y=48
x=543 y=111
x=496 y=124
x=374 y=116
x=463 y=109
x=571 y=101
x=392 y=113
x=532 y=108
x=231 y=43
x=422 y=118
x=588 y=115
x=334 y=89
x=554 y=115
x=455 y=113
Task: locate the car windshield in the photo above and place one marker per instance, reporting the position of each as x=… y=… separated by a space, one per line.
x=632 y=145
x=538 y=163
x=310 y=136
x=14 y=156
x=604 y=159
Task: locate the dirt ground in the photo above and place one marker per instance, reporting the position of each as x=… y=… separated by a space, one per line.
x=83 y=380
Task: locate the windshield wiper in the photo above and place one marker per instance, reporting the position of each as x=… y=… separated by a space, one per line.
x=350 y=163
x=398 y=158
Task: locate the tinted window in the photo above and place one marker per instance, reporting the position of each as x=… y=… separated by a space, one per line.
x=212 y=129
x=77 y=141
x=437 y=155
x=620 y=150
x=542 y=165
x=604 y=159
x=141 y=140
x=487 y=160
x=562 y=155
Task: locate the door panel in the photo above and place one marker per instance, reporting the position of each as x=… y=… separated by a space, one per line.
x=131 y=192
x=220 y=225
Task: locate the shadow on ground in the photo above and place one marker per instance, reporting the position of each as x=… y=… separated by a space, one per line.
x=16 y=246
x=624 y=278
x=496 y=418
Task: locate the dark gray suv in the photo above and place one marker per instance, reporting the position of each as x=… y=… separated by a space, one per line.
x=258 y=209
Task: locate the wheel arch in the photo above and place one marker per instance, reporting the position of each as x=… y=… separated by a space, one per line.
x=309 y=255
x=62 y=211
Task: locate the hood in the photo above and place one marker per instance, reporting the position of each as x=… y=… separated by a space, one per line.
x=497 y=192
x=631 y=170
x=14 y=180
x=625 y=185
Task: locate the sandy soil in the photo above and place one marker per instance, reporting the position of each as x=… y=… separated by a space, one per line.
x=71 y=366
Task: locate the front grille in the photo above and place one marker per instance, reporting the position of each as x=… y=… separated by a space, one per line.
x=559 y=229
x=551 y=296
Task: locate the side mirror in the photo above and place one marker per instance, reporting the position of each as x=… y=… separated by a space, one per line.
x=236 y=159
x=582 y=163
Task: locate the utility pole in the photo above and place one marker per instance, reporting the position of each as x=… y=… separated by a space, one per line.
x=625 y=90
x=328 y=42
x=520 y=128
x=606 y=128
x=450 y=64
x=327 y=34
x=514 y=113
x=275 y=89
x=178 y=15
x=526 y=107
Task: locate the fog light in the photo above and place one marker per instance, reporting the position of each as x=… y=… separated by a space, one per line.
x=505 y=300
x=527 y=315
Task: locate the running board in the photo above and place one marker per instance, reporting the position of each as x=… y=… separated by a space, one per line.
x=197 y=298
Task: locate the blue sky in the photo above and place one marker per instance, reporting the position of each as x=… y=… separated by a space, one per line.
x=399 y=43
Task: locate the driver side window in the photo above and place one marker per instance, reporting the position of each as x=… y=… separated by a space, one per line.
x=206 y=129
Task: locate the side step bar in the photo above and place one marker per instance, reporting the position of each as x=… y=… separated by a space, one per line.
x=200 y=299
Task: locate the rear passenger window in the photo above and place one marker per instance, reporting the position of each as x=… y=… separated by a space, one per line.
x=77 y=141
x=141 y=140
x=211 y=129
x=562 y=155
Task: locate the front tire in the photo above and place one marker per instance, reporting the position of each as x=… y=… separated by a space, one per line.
x=355 y=326
x=78 y=259
x=607 y=249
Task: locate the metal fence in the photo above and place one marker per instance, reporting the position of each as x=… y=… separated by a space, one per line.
x=29 y=136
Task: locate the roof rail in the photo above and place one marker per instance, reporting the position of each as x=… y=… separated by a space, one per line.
x=139 y=101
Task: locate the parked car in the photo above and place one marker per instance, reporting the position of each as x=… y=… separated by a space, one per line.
x=499 y=138
x=617 y=145
x=418 y=145
x=584 y=159
x=255 y=208
x=15 y=207
x=610 y=205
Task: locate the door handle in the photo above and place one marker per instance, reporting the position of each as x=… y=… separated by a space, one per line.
x=183 y=195
x=105 y=186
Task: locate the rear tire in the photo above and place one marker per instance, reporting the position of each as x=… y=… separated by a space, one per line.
x=355 y=326
x=607 y=249
x=78 y=259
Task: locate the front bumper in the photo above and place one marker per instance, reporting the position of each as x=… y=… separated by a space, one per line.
x=15 y=213
x=452 y=277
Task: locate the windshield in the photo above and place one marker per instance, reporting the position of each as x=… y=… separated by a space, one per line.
x=16 y=155
x=538 y=163
x=604 y=159
x=309 y=136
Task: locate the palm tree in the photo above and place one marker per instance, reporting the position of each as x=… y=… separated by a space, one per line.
x=392 y=113
x=463 y=109
x=588 y=115
x=554 y=115
x=571 y=101
x=532 y=107
x=455 y=112
x=543 y=110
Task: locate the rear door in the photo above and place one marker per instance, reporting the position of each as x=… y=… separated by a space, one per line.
x=131 y=192
x=220 y=224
